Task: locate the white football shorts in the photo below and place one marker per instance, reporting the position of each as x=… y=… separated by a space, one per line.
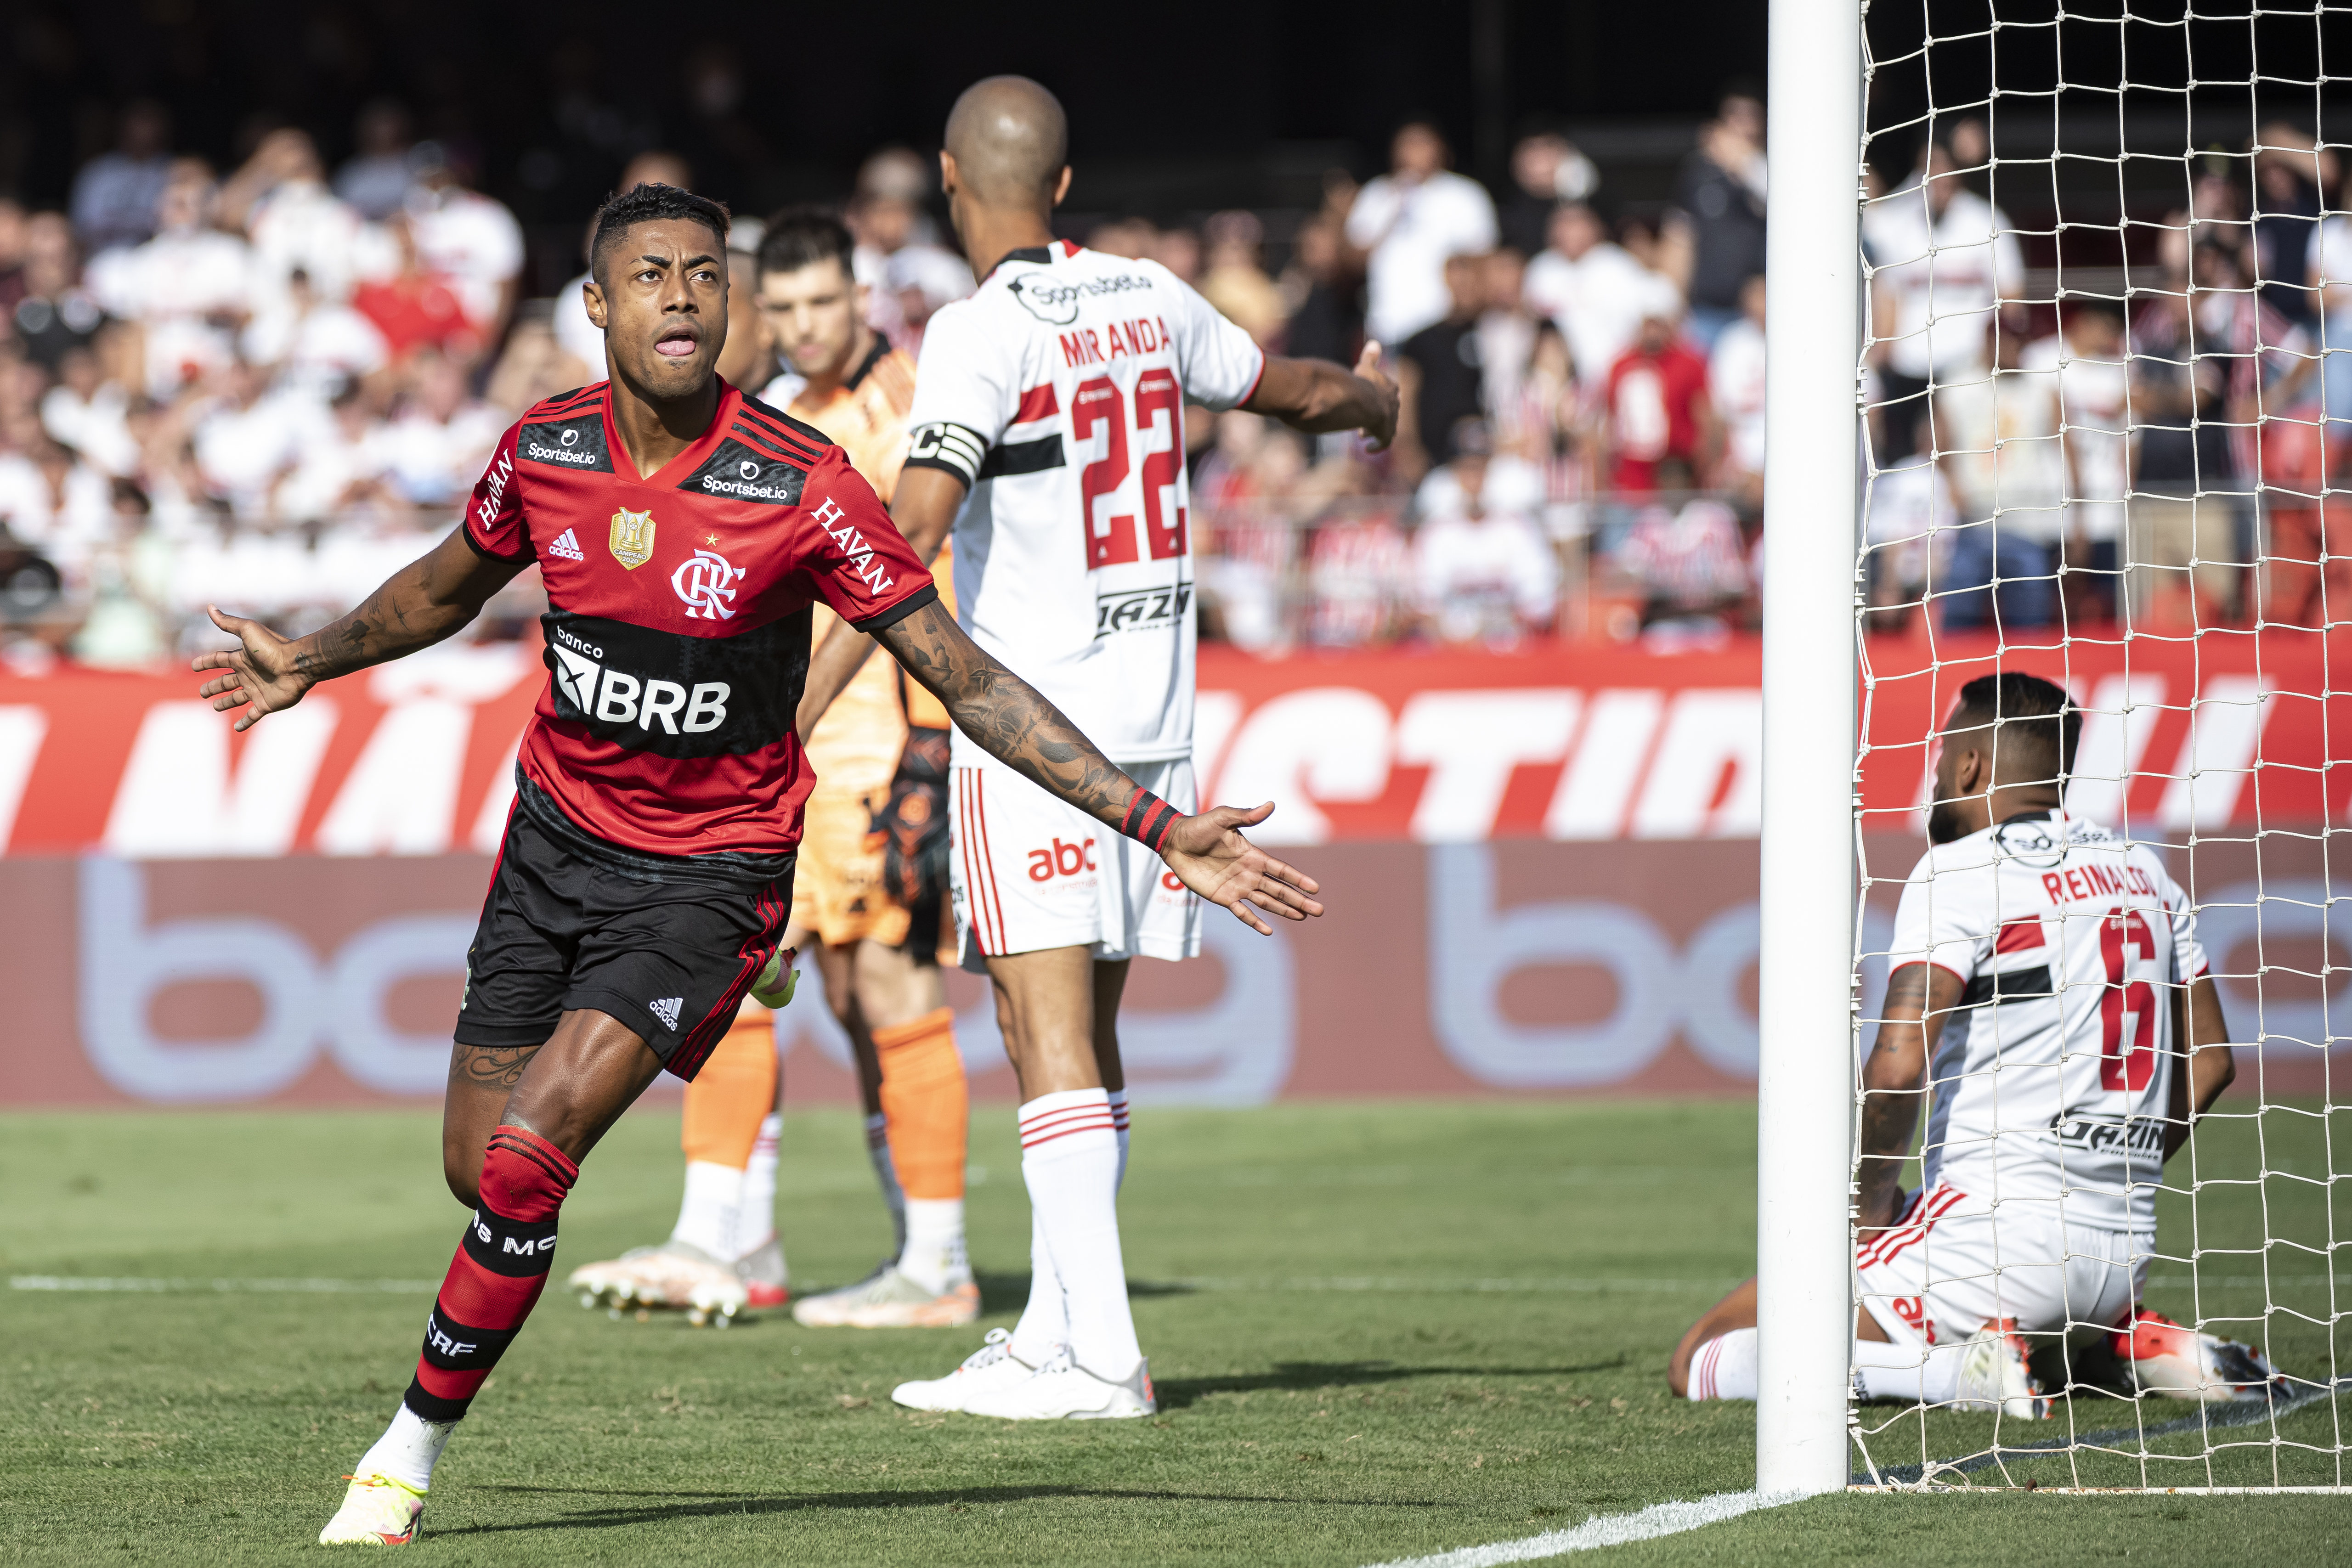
x=1028 y=873
x=1937 y=1276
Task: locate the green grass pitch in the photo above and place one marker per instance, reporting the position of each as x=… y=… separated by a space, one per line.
x=1514 y=1276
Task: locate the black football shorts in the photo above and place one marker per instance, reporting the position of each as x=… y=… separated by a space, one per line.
x=667 y=944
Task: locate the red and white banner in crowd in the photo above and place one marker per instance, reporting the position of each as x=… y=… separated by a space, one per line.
x=1572 y=744
x=190 y=917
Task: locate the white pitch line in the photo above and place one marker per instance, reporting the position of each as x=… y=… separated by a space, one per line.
x=144 y=1284
x=1604 y=1529
x=1452 y=1287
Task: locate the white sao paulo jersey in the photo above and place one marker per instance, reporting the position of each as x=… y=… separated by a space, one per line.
x=1056 y=390
x=2050 y=1082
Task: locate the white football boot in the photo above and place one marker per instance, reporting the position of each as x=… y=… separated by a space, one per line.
x=675 y=1275
x=1993 y=1375
x=1062 y=1390
x=2177 y=1363
x=887 y=1299
x=985 y=1370
x=377 y=1511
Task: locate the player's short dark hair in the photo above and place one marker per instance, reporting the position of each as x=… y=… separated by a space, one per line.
x=650 y=203
x=803 y=236
x=2035 y=725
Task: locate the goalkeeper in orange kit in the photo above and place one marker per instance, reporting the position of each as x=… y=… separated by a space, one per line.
x=868 y=897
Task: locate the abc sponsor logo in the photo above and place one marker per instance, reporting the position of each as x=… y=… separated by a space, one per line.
x=1065 y=859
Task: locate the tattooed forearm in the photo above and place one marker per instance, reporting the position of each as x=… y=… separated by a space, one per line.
x=400 y=617
x=1007 y=716
x=1894 y=1084
x=491 y=1066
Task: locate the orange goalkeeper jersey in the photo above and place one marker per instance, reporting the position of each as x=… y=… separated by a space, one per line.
x=857 y=744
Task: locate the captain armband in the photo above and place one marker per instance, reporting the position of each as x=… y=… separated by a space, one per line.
x=950 y=447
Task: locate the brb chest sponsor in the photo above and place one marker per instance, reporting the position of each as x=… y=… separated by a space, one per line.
x=675 y=695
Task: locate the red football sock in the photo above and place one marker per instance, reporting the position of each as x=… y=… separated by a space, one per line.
x=497 y=1275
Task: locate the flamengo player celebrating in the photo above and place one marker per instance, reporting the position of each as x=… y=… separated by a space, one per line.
x=2051 y=973
x=870 y=888
x=683 y=531
x=1055 y=397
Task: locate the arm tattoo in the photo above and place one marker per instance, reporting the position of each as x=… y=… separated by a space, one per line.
x=1890 y=1112
x=1010 y=720
x=492 y=1066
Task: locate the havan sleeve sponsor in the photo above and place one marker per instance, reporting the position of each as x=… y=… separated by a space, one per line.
x=855 y=559
x=494 y=521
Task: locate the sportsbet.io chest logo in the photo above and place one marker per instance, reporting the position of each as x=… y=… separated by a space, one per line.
x=707 y=583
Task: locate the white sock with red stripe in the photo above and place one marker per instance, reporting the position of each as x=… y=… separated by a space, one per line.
x=1912 y=1372
x=1725 y=1367
x=1119 y=1121
x=1069 y=1157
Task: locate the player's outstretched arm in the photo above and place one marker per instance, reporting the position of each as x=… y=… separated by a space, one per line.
x=1920 y=996
x=417 y=606
x=1012 y=722
x=1317 y=395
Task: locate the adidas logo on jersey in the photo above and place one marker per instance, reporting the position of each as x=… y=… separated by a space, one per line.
x=666 y=1009
x=566 y=547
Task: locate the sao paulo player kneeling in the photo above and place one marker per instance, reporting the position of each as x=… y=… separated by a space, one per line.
x=2052 y=973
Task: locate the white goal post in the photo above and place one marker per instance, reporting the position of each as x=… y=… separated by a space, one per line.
x=1804 y=1091
x=2059 y=382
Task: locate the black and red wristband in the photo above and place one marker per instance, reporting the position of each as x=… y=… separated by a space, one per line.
x=1148 y=819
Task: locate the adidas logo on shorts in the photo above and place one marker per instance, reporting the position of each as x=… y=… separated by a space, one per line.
x=566 y=547
x=666 y=1009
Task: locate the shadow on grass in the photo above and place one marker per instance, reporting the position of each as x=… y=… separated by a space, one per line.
x=1175 y=1392
x=717 y=1505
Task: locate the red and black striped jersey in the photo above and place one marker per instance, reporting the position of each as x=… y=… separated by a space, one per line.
x=677 y=619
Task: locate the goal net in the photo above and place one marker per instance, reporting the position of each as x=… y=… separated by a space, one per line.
x=2107 y=391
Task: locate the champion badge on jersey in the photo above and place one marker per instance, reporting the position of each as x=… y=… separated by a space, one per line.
x=633 y=537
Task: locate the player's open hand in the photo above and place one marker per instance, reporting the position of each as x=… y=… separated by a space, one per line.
x=262 y=676
x=1368 y=366
x=1208 y=853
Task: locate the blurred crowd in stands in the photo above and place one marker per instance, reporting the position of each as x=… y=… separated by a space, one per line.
x=268 y=385
x=2144 y=444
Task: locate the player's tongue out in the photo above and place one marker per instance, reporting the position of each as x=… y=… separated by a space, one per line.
x=677 y=343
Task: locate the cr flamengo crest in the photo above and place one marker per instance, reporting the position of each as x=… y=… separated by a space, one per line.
x=633 y=537
x=707 y=583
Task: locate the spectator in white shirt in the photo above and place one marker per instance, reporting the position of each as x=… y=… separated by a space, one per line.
x=296 y=224
x=1595 y=292
x=1409 y=221
x=191 y=287
x=114 y=195
x=1944 y=259
x=1909 y=521
x=1735 y=384
x=2093 y=386
x=313 y=346
x=88 y=413
x=467 y=237
x=1483 y=573
x=247 y=441
x=435 y=449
